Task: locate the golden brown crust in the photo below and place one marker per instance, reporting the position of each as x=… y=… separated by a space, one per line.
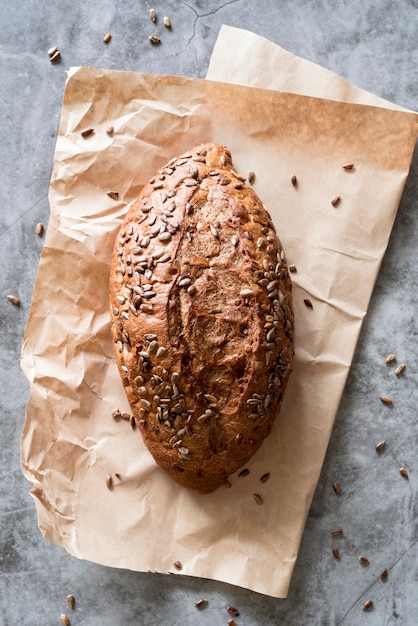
x=201 y=317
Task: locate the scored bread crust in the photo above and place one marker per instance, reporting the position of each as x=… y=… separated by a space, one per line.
x=201 y=317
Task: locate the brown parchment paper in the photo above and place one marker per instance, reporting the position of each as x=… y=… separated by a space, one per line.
x=70 y=441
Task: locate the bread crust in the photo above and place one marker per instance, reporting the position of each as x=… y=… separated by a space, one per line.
x=201 y=317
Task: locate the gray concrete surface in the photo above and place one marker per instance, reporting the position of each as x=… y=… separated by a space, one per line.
x=372 y=43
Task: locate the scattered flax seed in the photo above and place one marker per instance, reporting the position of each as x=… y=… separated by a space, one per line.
x=109 y=481
x=167 y=22
x=52 y=51
x=403 y=472
x=336 y=487
x=14 y=300
x=308 y=303
x=251 y=177
x=87 y=132
x=178 y=565
x=337 y=532
x=294 y=180
x=386 y=400
x=264 y=478
x=380 y=446
x=113 y=194
x=292 y=268
x=55 y=56
x=367 y=605
x=39 y=229
x=259 y=500
x=232 y=610
x=65 y=620
x=107 y=37
x=336 y=553
x=227 y=484
x=153 y=15
x=348 y=166
x=71 y=601
x=399 y=370
x=335 y=200
x=390 y=359
x=384 y=574
x=200 y=604
x=110 y=130
x=244 y=473
x=154 y=39
x=363 y=560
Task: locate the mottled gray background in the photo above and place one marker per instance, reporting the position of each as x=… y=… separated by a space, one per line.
x=372 y=43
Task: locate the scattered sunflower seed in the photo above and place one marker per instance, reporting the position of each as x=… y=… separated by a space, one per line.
x=232 y=610
x=251 y=177
x=336 y=553
x=65 y=620
x=380 y=446
x=399 y=370
x=335 y=200
x=337 y=532
x=386 y=400
x=178 y=565
x=348 y=166
x=390 y=359
x=264 y=478
x=110 y=130
x=107 y=37
x=71 y=601
x=52 y=51
x=363 y=560
x=232 y=622
x=246 y=293
x=367 y=605
x=113 y=194
x=227 y=484
x=294 y=180
x=153 y=15
x=308 y=303
x=292 y=268
x=403 y=472
x=258 y=499
x=167 y=22
x=200 y=604
x=87 y=132
x=14 y=300
x=244 y=472
x=336 y=487
x=55 y=56
x=39 y=229
x=154 y=39
x=109 y=481
x=384 y=574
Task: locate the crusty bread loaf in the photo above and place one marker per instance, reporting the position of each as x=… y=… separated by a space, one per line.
x=201 y=317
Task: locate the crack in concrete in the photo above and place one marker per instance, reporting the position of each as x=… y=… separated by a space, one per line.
x=376 y=582
x=198 y=16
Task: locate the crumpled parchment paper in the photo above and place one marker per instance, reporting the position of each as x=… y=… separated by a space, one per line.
x=70 y=441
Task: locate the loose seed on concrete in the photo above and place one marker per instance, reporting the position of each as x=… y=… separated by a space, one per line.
x=14 y=300
x=107 y=38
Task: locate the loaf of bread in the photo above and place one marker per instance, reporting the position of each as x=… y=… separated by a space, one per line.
x=201 y=317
